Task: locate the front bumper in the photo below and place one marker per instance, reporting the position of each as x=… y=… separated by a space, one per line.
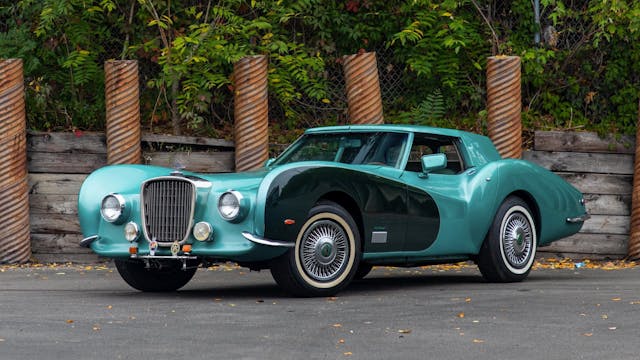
x=264 y=241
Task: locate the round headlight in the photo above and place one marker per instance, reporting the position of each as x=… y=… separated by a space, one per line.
x=131 y=231
x=229 y=205
x=112 y=207
x=202 y=231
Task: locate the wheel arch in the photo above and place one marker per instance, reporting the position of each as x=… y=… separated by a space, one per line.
x=350 y=205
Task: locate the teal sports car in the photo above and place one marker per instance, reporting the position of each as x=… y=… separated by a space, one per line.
x=335 y=203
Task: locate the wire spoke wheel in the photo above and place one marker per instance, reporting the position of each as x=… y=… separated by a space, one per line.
x=326 y=254
x=517 y=240
x=324 y=250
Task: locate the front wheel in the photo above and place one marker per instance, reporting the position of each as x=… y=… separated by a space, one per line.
x=163 y=276
x=326 y=254
x=509 y=249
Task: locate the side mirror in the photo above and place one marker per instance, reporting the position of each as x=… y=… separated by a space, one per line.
x=432 y=163
x=269 y=162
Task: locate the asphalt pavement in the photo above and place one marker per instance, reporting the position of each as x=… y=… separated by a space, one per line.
x=88 y=312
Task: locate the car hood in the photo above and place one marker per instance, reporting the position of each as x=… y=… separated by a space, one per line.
x=244 y=181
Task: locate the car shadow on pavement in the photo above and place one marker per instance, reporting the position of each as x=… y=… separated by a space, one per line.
x=262 y=287
x=268 y=289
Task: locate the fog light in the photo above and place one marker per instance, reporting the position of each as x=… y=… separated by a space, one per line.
x=131 y=232
x=202 y=231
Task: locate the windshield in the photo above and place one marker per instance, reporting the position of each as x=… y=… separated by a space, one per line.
x=378 y=148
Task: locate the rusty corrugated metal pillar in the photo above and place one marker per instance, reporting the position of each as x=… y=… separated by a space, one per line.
x=15 y=241
x=504 y=105
x=122 y=95
x=251 y=112
x=633 y=251
x=363 y=88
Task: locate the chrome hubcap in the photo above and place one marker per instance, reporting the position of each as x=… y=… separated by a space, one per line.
x=517 y=240
x=324 y=250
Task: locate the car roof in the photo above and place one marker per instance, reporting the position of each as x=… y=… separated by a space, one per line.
x=479 y=149
x=390 y=127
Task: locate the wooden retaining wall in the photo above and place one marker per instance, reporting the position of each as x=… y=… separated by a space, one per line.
x=59 y=162
x=602 y=168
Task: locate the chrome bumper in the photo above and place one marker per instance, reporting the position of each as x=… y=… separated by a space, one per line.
x=579 y=219
x=262 y=241
x=86 y=242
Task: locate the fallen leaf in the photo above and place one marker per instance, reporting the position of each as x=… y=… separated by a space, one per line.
x=333 y=298
x=348 y=353
x=467 y=300
x=461 y=315
x=605 y=317
x=341 y=341
x=337 y=325
x=109 y=307
x=404 y=331
x=478 y=341
x=70 y=321
x=613 y=328
x=587 y=334
x=616 y=299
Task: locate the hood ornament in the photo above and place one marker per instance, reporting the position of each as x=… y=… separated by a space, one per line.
x=178 y=166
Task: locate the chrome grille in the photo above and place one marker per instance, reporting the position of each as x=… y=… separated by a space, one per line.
x=167 y=206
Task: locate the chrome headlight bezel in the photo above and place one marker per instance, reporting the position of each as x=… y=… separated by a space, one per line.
x=232 y=206
x=202 y=231
x=131 y=232
x=115 y=213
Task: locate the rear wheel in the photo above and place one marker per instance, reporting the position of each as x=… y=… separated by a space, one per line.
x=163 y=276
x=509 y=249
x=326 y=254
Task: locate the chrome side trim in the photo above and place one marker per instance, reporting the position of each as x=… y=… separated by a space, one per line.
x=86 y=242
x=579 y=219
x=262 y=241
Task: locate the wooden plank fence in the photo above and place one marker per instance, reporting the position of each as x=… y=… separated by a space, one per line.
x=602 y=168
x=58 y=163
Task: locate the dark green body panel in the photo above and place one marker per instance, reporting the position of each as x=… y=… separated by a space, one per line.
x=382 y=203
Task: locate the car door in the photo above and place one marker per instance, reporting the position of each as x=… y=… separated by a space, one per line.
x=434 y=200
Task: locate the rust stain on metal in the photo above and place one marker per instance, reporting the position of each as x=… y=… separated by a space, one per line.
x=15 y=241
x=122 y=94
x=633 y=251
x=504 y=105
x=251 y=112
x=363 y=88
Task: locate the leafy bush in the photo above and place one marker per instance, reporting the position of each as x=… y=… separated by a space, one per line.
x=436 y=48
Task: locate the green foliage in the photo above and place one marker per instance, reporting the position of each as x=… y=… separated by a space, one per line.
x=443 y=46
x=186 y=52
x=428 y=112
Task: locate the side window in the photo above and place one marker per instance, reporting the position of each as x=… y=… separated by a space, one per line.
x=425 y=144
